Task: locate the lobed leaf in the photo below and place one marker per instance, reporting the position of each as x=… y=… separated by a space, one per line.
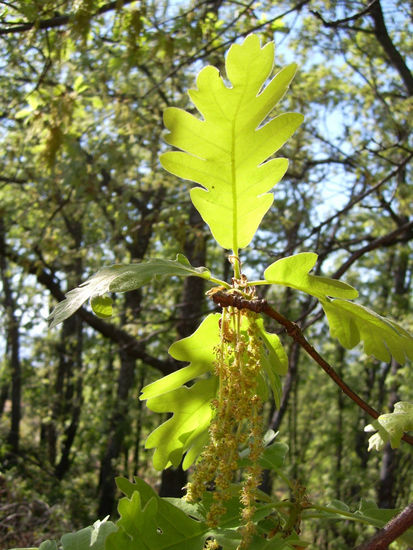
x=187 y=430
x=293 y=271
x=391 y=427
x=227 y=152
x=192 y=414
x=383 y=338
x=121 y=278
x=197 y=349
x=149 y=522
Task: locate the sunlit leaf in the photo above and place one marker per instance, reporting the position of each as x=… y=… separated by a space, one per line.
x=197 y=349
x=226 y=151
x=383 y=338
x=122 y=278
x=293 y=271
x=102 y=306
x=391 y=427
x=192 y=414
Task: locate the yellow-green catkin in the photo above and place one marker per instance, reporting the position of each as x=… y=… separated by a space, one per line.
x=237 y=422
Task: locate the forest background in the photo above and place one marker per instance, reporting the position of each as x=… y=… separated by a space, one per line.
x=83 y=87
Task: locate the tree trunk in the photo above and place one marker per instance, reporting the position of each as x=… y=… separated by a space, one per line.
x=12 y=349
x=174 y=480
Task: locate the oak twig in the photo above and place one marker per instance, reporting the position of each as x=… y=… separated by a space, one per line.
x=261 y=306
x=391 y=531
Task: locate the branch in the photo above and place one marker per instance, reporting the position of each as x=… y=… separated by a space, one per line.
x=261 y=306
x=380 y=30
x=339 y=22
x=390 y=532
x=59 y=20
x=386 y=240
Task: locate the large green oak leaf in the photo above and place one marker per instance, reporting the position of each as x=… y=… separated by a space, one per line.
x=227 y=151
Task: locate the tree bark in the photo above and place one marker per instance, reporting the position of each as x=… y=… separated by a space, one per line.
x=12 y=348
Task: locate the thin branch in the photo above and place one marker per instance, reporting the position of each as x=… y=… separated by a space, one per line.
x=261 y=306
x=353 y=202
x=390 y=532
x=339 y=22
x=386 y=240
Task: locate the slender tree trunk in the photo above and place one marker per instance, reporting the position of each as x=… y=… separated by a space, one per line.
x=12 y=349
x=119 y=426
x=174 y=480
x=74 y=400
x=387 y=490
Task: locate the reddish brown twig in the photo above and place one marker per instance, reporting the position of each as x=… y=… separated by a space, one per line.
x=390 y=532
x=261 y=306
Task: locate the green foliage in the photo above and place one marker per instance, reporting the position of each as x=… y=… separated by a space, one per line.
x=293 y=271
x=226 y=151
x=187 y=428
x=121 y=278
x=367 y=513
x=382 y=337
x=391 y=427
x=89 y=538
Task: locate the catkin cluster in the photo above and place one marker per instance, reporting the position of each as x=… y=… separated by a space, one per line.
x=236 y=424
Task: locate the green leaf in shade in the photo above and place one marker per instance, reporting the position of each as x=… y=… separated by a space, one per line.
x=273 y=456
x=121 y=278
x=383 y=338
x=90 y=538
x=149 y=522
x=197 y=349
x=378 y=517
x=274 y=360
x=391 y=427
x=191 y=418
x=102 y=306
x=227 y=151
x=293 y=271
x=368 y=513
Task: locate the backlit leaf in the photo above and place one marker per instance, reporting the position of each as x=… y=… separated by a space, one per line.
x=192 y=414
x=383 y=338
x=293 y=271
x=391 y=427
x=197 y=349
x=227 y=151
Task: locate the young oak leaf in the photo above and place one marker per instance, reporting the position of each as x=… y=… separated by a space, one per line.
x=293 y=271
x=352 y=323
x=121 y=278
x=197 y=349
x=192 y=414
x=391 y=427
x=186 y=431
x=227 y=152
